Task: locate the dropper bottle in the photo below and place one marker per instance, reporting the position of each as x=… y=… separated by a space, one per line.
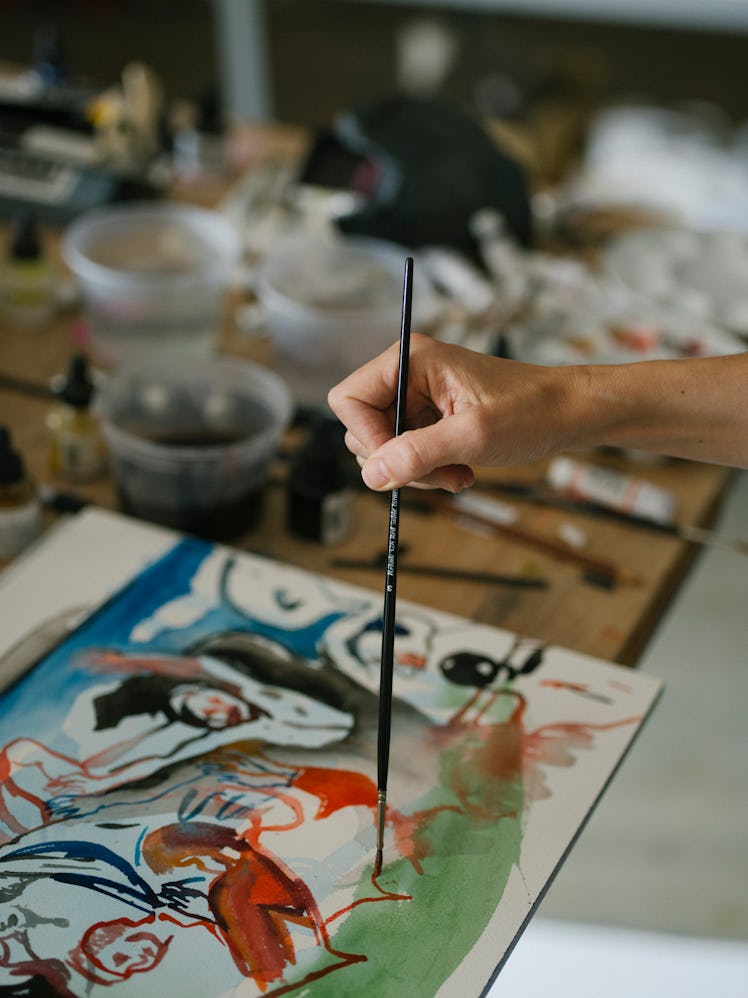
x=27 y=279
x=20 y=508
x=76 y=446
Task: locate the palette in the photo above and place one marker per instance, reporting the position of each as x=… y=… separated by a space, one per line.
x=188 y=741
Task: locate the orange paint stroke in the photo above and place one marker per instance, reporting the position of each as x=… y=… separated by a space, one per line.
x=582 y=688
x=336 y=789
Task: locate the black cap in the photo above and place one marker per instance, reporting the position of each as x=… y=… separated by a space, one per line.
x=25 y=243
x=11 y=462
x=77 y=388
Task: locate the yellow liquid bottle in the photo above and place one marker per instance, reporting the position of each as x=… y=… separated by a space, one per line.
x=76 y=445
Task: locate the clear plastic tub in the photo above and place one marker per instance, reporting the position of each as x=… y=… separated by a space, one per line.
x=153 y=277
x=190 y=445
x=331 y=304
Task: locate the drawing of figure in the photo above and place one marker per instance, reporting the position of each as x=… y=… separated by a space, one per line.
x=146 y=765
x=117 y=911
x=185 y=796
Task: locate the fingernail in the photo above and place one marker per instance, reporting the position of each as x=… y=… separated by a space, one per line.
x=375 y=474
x=465 y=481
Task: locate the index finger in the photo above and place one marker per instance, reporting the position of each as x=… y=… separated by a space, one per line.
x=364 y=401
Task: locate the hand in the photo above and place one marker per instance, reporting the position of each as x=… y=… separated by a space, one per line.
x=463 y=408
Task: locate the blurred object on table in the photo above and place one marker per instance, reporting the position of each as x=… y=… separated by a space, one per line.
x=699 y=274
x=689 y=164
x=69 y=146
x=430 y=167
x=574 y=313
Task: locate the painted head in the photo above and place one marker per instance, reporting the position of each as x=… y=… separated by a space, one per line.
x=235 y=682
x=74 y=911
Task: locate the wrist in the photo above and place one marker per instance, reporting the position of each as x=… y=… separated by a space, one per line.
x=615 y=405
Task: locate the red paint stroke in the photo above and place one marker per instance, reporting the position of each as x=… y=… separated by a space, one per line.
x=51 y=970
x=489 y=773
x=460 y=716
x=618 y=685
x=410 y=660
x=554 y=745
x=336 y=789
x=52 y=771
x=119 y=949
x=182 y=667
x=254 y=899
x=581 y=688
x=384 y=895
x=411 y=838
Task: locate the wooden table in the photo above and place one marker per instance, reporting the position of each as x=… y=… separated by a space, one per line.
x=610 y=624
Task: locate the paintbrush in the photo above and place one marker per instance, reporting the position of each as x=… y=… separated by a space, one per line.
x=444 y=572
x=543 y=496
x=390 y=580
x=502 y=519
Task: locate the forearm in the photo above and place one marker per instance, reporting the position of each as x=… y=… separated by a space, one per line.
x=696 y=409
x=467 y=409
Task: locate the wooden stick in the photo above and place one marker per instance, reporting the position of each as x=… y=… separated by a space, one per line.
x=607 y=572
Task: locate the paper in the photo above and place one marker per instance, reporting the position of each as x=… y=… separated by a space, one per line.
x=188 y=790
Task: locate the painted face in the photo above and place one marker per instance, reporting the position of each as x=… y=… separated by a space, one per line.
x=46 y=927
x=117 y=950
x=355 y=645
x=286 y=717
x=213 y=708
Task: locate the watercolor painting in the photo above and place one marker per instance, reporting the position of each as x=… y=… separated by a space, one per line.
x=188 y=778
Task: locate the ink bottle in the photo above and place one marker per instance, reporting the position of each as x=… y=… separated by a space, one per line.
x=76 y=444
x=27 y=286
x=320 y=499
x=20 y=508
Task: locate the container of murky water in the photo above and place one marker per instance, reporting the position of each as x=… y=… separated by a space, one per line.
x=191 y=444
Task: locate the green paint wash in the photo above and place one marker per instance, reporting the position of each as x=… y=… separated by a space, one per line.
x=413 y=946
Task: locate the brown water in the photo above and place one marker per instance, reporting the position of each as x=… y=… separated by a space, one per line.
x=222 y=521
x=197 y=436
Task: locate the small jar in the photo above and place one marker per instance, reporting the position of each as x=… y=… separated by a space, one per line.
x=320 y=499
x=20 y=508
x=76 y=446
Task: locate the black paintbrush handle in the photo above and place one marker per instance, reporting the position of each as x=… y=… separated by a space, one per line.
x=390 y=586
x=388 y=643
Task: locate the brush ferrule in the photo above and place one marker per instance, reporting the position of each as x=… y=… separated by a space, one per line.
x=381 y=811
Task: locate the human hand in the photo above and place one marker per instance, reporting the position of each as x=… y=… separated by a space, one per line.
x=463 y=409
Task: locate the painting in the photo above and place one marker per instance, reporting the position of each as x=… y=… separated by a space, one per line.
x=188 y=776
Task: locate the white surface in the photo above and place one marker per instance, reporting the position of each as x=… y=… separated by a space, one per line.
x=652 y=901
x=667 y=849
x=568 y=960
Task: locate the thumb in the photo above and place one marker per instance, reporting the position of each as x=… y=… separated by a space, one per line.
x=431 y=455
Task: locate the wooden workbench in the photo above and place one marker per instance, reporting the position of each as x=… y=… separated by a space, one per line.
x=609 y=623
x=613 y=624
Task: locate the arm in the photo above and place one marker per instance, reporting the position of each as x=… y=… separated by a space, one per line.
x=467 y=409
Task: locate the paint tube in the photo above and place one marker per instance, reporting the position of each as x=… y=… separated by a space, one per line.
x=612 y=489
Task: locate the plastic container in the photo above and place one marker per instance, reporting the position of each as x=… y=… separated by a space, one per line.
x=190 y=445
x=153 y=277
x=331 y=304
